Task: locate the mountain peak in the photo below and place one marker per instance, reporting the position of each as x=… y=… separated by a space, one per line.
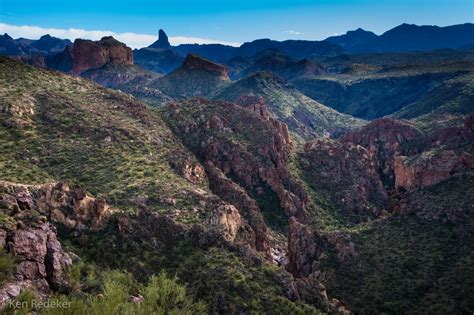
x=6 y=36
x=193 y=61
x=47 y=36
x=162 y=41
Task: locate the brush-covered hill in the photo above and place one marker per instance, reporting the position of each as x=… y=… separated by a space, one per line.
x=123 y=192
x=130 y=79
x=303 y=115
x=369 y=91
x=59 y=127
x=444 y=105
x=196 y=77
x=278 y=63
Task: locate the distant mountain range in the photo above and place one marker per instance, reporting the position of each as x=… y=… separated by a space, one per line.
x=162 y=57
x=45 y=45
x=406 y=37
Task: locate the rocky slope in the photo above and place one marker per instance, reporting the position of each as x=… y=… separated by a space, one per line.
x=303 y=116
x=431 y=173
x=347 y=175
x=197 y=219
x=28 y=235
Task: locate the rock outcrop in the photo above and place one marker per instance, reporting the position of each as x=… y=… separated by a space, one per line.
x=228 y=219
x=40 y=260
x=193 y=171
x=258 y=105
x=386 y=139
x=304 y=250
x=237 y=196
x=70 y=207
x=162 y=41
x=194 y=62
x=89 y=54
x=429 y=168
x=347 y=175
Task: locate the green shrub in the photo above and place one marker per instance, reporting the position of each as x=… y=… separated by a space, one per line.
x=7 y=265
x=162 y=295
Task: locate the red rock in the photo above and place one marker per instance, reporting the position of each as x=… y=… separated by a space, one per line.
x=89 y=54
x=384 y=138
x=347 y=175
x=71 y=208
x=40 y=261
x=429 y=168
x=196 y=62
x=304 y=250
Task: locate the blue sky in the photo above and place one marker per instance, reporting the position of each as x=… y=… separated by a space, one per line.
x=229 y=21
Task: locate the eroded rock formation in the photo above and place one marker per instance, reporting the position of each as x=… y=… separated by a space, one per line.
x=40 y=260
x=429 y=168
x=71 y=207
x=347 y=175
x=89 y=54
x=195 y=62
x=385 y=139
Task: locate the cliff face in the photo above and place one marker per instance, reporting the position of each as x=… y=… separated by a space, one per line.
x=429 y=168
x=347 y=175
x=444 y=153
x=40 y=261
x=89 y=54
x=246 y=168
x=194 y=62
x=384 y=139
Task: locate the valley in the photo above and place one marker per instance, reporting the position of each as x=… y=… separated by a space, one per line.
x=301 y=177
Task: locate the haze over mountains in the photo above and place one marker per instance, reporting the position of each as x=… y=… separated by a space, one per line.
x=299 y=177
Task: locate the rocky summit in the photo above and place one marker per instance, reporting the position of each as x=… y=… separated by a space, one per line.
x=292 y=177
x=88 y=54
x=162 y=41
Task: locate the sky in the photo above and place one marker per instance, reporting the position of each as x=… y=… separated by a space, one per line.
x=230 y=22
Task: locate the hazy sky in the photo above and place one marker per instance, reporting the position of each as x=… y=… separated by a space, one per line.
x=224 y=21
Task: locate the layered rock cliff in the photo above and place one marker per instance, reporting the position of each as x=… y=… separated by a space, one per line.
x=429 y=168
x=385 y=139
x=89 y=54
